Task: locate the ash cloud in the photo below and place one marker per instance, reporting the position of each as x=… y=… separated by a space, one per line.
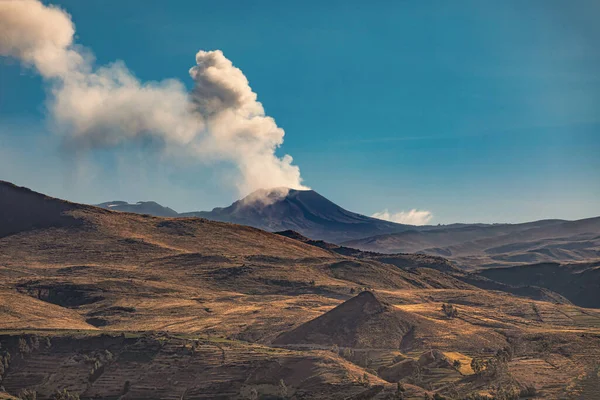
x=107 y=106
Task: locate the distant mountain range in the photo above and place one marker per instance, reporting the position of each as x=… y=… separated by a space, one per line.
x=280 y=209
x=497 y=245
x=468 y=245
x=141 y=207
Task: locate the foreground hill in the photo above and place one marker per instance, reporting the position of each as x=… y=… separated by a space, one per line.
x=361 y=322
x=117 y=305
x=136 y=366
x=497 y=245
x=30 y=216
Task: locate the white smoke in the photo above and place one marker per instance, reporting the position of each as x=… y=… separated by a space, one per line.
x=412 y=217
x=93 y=107
x=38 y=35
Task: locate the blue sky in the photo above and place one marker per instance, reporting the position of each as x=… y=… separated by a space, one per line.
x=474 y=111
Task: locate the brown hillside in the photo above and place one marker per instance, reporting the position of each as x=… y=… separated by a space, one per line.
x=22 y=209
x=189 y=308
x=134 y=272
x=366 y=321
x=148 y=367
x=363 y=321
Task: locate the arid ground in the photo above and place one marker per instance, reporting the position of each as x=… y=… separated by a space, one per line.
x=115 y=305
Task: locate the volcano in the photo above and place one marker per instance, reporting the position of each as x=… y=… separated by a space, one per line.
x=303 y=211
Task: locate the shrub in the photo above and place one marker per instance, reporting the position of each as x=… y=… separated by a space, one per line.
x=364 y=380
x=34 y=343
x=499 y=363
x=347 y=353
x=335 y=349
x=457 y=364
x=253 y=394
x=400 y=387
x=449 y=310
x=23 y=346
x=96 y=371
x=492 y=367
x=366 y=361
x=283 y=390
x=477 y=365
x=4 y=361
x=399 y=394
x=126 y=387
x=504 y=354
x=27 y=394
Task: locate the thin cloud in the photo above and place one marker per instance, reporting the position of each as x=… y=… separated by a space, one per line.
x=411 y=217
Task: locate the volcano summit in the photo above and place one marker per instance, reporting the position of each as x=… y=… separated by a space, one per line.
x=303 y=211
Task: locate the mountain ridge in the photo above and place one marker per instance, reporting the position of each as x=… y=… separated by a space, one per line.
x=315 y=217
x=280 y=209
x=141 y=207
x=497 y=245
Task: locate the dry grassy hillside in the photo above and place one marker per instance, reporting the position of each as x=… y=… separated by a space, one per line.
x=190 y=308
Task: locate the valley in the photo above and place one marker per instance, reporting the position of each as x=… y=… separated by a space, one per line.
x=272 y=200
x=109 y=304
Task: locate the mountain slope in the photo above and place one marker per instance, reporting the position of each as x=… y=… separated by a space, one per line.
x=22 y=209
x=470 y=246
x=578 y=282
x=363 y=321
x=29 y=217
x=497 y=245
x=367 y=321
x=116 y=268
x=304 y=211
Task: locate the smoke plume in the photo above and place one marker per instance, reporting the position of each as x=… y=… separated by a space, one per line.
x=94 y=107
